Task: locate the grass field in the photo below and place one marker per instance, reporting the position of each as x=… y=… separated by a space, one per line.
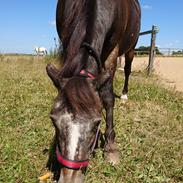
x=149 y=128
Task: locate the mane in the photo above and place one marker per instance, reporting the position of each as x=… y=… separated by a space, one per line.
x=79 y=96
x=77 y=17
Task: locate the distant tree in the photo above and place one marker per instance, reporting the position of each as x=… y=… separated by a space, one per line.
x=179 y=52
x=144 y=50
x=158 y=51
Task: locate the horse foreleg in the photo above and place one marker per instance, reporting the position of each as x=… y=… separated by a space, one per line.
x=127 y=69
x=110 y=151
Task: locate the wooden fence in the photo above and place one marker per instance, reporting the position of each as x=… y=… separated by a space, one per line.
x=152 y=52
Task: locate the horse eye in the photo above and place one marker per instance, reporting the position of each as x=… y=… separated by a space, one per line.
x=97 y=121
x=96 y=126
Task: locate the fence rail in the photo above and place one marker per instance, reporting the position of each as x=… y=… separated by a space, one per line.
x=165 y=52
x=153 y=33
x=171 y=51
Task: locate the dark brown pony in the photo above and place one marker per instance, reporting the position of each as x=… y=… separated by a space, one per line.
x=91 y=32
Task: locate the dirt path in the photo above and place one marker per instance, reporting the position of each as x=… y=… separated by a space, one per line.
x=170 y=69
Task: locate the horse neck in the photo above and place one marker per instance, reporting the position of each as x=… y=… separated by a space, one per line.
x=98 y=30
x=72 y=30
x=72 y=23
x=88 y=26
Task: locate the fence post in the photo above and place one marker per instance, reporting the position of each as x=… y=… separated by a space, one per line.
x=152 y=49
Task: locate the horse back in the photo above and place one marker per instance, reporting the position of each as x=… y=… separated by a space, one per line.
x=131 y=25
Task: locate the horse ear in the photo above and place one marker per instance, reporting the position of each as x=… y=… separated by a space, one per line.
x=101 y=80
x=53 y=74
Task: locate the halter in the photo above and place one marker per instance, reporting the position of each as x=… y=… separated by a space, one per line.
x=92 y=52
x=75 y=164
x=71 y=164
x=87 y=74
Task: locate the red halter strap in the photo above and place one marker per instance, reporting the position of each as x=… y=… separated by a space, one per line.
x=87 y=74
x=71 y=164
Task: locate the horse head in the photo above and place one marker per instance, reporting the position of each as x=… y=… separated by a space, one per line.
x=76 y=116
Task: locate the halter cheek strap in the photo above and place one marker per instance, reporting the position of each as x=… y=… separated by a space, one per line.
x=71 y=164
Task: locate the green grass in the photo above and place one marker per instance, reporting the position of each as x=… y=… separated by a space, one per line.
x=149 y=128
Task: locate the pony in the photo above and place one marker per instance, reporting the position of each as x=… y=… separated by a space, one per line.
x=40 y=50
x=94 y=33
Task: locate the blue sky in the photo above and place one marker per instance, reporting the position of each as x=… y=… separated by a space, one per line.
x=25 y=23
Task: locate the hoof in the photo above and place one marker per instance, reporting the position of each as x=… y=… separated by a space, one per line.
x=124 y=98
x=113 y=157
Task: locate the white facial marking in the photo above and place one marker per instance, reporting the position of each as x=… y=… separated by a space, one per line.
x=74 y=134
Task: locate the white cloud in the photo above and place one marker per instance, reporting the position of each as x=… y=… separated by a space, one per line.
x=146 y=7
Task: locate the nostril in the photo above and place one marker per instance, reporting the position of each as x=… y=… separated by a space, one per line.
x=71 y=176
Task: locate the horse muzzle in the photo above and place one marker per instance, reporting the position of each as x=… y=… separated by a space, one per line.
x=70 y=164
x=72 y=169
x=71 y=176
